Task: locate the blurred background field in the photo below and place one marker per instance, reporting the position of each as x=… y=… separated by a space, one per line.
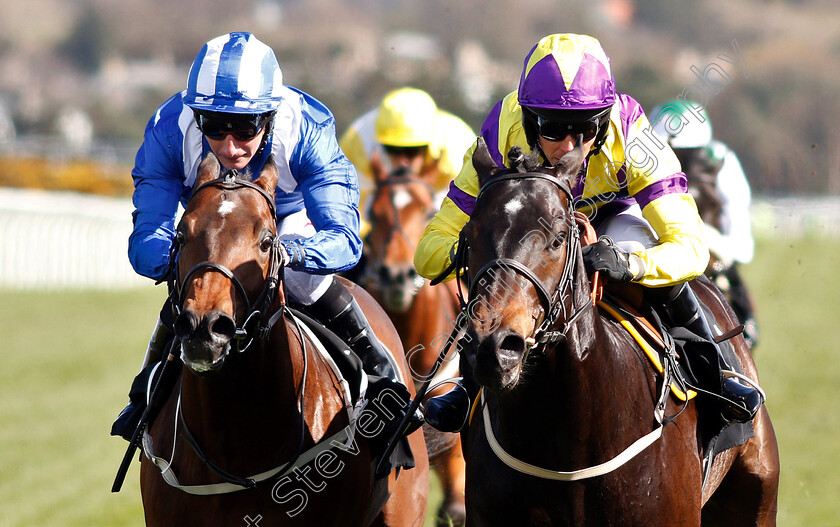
x=68 y=359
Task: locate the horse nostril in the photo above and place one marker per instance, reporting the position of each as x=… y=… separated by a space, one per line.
x=185 y=324
x=223 y=326
x=511 y=348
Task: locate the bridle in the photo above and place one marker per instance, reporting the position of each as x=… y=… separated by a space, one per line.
x=256 y=323
x=553 y=304
x=377 y=274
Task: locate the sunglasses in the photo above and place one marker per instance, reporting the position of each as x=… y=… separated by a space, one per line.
x=242 y=127
x=558 y=130
x=404 y=151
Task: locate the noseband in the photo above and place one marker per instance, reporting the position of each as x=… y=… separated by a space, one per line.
x=254 y=325
x=552 y=303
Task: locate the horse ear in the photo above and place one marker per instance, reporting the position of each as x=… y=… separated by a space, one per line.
x=377 y=169
x=483 y=162
x=570 y=164
x=208 y=170
x=267 y=179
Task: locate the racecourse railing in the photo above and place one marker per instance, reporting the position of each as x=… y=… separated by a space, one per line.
x=55 y=240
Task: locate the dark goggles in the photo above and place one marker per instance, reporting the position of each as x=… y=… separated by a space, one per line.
x=552 y=130
x=243 y=127
x=404 y=151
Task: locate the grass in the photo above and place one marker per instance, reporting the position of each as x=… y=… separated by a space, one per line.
x=68 y=359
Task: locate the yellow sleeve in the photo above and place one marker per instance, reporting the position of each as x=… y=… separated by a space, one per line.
x=441 y=235
x=681 y=254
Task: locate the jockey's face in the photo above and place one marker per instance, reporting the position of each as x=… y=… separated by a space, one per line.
x=409 y=158
x=555 y=150
x=234 y=153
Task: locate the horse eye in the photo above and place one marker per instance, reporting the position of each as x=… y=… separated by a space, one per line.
x=266 y=243
x=179 y=238
x=558 y=240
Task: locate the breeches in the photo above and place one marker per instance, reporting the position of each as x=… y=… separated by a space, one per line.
x=629 y=230
x=303 y=287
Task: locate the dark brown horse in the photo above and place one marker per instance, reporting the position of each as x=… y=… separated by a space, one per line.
x=423 y=314
x=258 y=429
x=566 y=391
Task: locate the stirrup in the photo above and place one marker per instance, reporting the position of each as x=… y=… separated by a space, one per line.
x=742 y=402
x=448 y=412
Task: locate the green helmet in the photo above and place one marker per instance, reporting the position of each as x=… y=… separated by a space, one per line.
x=682 y=124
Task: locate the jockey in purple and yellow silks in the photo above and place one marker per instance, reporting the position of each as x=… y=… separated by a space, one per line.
x=631 y=187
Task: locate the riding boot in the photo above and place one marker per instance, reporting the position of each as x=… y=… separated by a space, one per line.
x=339 y=311
x=683 y=308
x=127 y=421
x=449 y=412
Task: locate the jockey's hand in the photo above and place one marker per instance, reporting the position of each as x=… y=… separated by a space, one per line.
x=283 y=255
x=605 y=256
x=291 y=254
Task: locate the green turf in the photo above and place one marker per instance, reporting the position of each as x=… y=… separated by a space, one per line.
x=68 y=359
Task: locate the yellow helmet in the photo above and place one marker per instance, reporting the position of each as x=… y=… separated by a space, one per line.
x=406 y=117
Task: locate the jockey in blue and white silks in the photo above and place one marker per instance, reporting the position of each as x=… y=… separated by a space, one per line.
x=315 y=176
x=237 y=107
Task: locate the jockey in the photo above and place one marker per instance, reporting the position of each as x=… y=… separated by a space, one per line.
x=237 y=107
x=410 y=134
x=631 y=187
x=686 y=127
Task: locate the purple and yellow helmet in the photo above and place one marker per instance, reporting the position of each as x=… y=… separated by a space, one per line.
x=566 y=77
x=567 y=72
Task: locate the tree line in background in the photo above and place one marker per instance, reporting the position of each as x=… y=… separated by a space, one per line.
x=778 y=111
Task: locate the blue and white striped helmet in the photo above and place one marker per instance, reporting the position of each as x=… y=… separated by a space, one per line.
x=234 y=73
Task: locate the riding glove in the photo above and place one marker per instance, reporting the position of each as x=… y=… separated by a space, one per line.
x=605 y=256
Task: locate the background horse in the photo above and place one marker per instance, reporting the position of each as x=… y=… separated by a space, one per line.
x=566 y=389
x=702 y=172
x=246 y=404
x=401 y=207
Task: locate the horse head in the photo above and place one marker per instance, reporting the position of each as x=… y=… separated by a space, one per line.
x=400 y=209
x=225 y=246
x=522 y=244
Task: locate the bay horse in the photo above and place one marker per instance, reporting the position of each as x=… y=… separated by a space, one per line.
x=423 y=315
x=567 y=429
x=255 y=397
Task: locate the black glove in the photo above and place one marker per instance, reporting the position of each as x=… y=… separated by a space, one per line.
x=607 y=257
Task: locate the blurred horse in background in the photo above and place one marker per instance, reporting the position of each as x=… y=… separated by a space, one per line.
x=702 y=172
x=401 y=207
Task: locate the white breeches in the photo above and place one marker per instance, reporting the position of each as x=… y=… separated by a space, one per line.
x=304 y=288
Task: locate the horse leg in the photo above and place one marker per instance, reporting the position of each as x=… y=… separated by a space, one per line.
x=452 y=474
x=748 y=494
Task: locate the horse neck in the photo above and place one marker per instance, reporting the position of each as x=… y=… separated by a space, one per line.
x=570 y=393
x=252 y=396
x=432 y=310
